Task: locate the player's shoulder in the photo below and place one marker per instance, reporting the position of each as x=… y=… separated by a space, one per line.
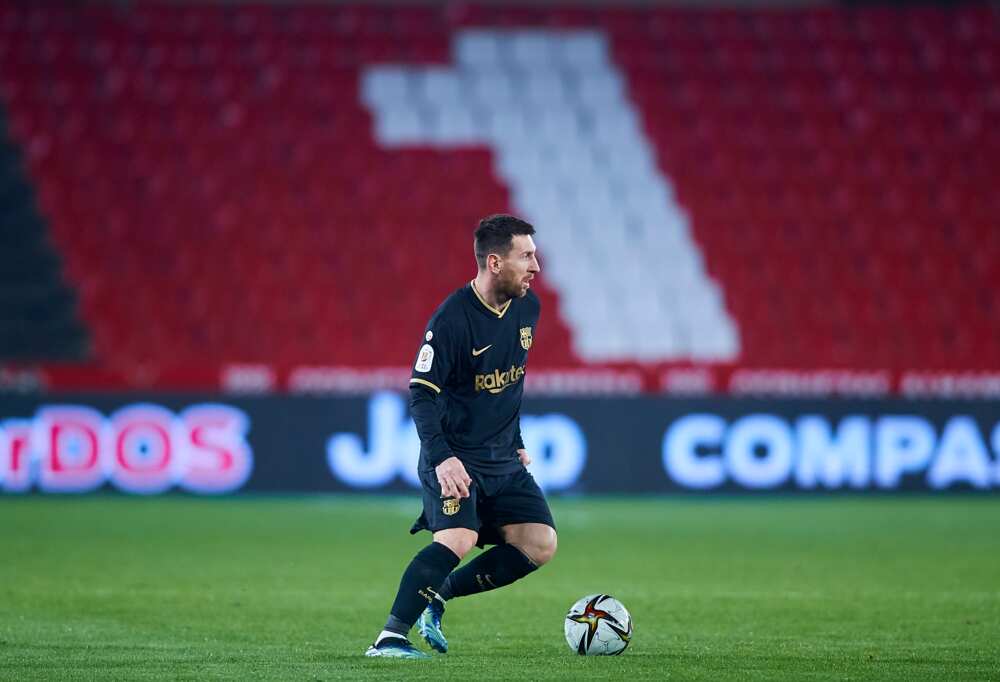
x=451 y=312
x=532 y=302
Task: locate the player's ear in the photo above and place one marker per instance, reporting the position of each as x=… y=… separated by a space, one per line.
x=493 y=261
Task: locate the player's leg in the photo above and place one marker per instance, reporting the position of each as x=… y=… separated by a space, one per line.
x=525 y=522
x=527 y=547
x=418 y=588
x=452 y=523
x=537 y=541
x=429 y=621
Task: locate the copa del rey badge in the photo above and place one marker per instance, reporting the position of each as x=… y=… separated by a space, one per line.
x=425 y=359
x=526 y=338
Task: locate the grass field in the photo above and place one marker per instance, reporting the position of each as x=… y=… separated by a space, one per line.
x=296 y=588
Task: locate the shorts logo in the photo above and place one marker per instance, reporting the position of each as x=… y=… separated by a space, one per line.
x=526 y=338
x=425 y=359
x=450 y=507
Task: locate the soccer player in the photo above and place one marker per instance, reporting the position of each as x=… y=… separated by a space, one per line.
x=465 y=398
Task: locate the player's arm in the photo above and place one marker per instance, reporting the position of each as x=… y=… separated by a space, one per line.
x=522 y=453
x=430 y=373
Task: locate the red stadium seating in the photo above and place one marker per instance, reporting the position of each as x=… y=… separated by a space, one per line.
x=212 y=181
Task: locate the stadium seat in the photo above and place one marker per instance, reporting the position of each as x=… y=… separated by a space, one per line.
x=297 y=183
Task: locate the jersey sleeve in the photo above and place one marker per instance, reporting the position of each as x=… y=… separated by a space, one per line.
x=423 y=409
x=436 y=357
x=430 y=375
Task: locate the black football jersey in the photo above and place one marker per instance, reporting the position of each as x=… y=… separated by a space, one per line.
x=473 y=357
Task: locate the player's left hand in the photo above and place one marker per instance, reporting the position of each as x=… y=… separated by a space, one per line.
x=524 y=457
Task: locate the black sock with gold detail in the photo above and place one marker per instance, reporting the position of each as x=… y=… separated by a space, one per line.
x=494 y=568
x=419 y=584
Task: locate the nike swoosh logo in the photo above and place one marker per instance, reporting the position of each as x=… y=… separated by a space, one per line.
x=481 y=350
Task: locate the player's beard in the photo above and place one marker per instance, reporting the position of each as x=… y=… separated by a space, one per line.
x=513 y=288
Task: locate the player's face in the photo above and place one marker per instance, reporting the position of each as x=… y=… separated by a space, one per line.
x=519 y=266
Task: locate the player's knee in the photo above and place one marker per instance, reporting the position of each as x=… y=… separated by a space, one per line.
x=458 y=540
x=547 y=548
x=541 y=546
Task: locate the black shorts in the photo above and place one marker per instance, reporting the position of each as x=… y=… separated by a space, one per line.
x=493 y=501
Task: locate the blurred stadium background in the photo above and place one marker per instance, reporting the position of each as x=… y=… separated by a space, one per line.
x=257 y=202
x=769 y=234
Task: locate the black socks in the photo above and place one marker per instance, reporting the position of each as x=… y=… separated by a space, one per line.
x=494 y=568
x=430 y=573
x=419 y=584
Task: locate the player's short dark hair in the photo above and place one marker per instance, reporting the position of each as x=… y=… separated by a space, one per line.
x=495 y=234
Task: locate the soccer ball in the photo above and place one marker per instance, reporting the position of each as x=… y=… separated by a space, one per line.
x=598 y=625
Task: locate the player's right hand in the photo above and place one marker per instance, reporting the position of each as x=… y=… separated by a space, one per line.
x=453 y=479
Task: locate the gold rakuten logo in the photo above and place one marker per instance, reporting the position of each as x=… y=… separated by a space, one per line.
x=497 y=381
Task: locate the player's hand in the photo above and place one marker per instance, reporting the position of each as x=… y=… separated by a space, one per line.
x=453 y=478
x=522 y=455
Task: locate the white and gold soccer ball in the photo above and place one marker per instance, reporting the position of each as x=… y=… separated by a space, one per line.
x=598 y=625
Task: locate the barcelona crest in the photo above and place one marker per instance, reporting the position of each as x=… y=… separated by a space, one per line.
x=526 y=338
x=450 y=507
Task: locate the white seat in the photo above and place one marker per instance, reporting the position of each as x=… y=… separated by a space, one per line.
x=561 y=126
x=583 y=50
x=545 y=87
x=507 y=127
x=385 y=86
x=657 y=343
x=395 y=127
x=641 y=197
x=720 y=345
x=624 y=157
x=456 y=127
x=477 y=48
x=530 y=49
x=492 y=87
x=594 y=87
x=441 y=87
x=575 y=162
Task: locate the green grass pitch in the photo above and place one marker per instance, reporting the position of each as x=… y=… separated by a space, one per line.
x=903 y=588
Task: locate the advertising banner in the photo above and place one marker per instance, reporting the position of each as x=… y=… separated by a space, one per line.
x=78 y=443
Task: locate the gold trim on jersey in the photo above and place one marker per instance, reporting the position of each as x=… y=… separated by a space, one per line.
x=424 y=382
x=498 y=312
